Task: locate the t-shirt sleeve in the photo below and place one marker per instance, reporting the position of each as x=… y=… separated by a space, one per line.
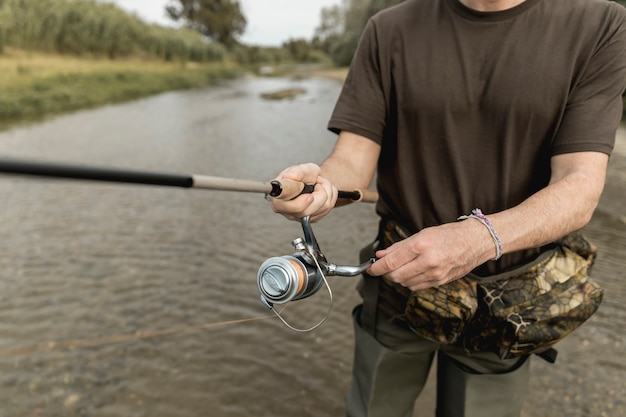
x=360 y=107
x=594 y=107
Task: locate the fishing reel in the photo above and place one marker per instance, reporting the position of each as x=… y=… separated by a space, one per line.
x=282 y=279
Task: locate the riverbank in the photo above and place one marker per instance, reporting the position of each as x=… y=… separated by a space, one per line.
x=338 y=74
x=34 y=84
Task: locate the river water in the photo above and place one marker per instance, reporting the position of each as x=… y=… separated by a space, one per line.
x=122 y=300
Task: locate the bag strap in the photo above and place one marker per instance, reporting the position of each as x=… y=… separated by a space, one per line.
x=548 y=355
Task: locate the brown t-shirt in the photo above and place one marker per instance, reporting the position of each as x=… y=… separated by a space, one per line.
x=469 y=106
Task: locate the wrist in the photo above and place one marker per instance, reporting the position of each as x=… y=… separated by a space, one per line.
x=482 y=220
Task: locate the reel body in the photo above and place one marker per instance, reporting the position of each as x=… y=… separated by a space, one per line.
x=282 y=279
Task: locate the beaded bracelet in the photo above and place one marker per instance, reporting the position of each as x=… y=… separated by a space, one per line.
x=478 y=215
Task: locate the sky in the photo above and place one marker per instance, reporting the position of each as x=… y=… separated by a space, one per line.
x=270 y=22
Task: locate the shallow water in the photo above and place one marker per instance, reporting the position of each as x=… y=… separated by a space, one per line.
x=122 y=300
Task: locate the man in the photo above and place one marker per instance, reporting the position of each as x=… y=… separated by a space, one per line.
x=507 y=106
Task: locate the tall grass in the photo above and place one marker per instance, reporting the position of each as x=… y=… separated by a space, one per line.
x=87 y=27
x=65 y=92
x=33 y=84
x=63 y=55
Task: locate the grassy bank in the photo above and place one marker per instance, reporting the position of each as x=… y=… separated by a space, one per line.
x=35 y=84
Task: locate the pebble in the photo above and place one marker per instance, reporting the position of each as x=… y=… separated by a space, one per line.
x=71 y=401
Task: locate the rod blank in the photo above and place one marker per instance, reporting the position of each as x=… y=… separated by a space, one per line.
x=44 y=169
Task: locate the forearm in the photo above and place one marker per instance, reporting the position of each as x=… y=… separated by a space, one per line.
x=565 y=205
x=440 y=254
x=352 y=163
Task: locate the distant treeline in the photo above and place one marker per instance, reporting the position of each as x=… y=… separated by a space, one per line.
x=341 y=26
x=87 y=27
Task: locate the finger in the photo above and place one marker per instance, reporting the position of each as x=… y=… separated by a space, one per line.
x=320 y=205
x=315 y=205
x=293 y=208
x=317 y=216
x=409 y=274
x=331 y=192
x=391 y=259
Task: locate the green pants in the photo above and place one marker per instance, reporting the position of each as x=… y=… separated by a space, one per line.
x=391 y=370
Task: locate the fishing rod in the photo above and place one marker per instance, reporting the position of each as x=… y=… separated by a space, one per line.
x=280 y=279
x=283 y=189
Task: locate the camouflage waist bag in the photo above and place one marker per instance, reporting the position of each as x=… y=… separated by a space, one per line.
x=521 y=312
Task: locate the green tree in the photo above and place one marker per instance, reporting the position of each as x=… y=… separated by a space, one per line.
x=220 y=20
x=341 y=26
x=376 y=6
x=330 y=28
x=299 y=49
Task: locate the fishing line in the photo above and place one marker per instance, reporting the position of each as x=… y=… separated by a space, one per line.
x=330 y=304
x=54 y=346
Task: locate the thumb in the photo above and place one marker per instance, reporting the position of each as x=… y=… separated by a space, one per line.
x=306 y=173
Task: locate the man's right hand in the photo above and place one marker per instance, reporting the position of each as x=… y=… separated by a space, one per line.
x=317 y=204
